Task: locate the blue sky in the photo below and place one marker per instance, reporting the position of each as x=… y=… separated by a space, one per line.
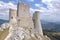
x=49 y=9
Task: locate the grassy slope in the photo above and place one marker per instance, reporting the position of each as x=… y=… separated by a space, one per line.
x=53 y=34
x=3 y=34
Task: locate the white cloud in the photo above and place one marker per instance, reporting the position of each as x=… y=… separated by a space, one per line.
x=33 y=10
x=53 y=9
x=4 y=9
x=30 y=0
x=53 y=5
x=46 y=1
x=7 y=5
x=52 y=12
x=37 y=5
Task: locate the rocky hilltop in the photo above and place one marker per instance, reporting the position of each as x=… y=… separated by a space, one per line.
x=22 y=26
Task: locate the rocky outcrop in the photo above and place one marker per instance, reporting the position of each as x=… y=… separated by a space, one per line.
x=24 y=27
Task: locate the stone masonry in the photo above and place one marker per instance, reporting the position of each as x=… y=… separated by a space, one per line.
x=37 y=23
x=23 y=26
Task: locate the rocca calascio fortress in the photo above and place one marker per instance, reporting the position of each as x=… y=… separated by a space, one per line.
x=23 y=26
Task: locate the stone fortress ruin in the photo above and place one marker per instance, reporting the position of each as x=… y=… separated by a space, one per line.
x=24 y=27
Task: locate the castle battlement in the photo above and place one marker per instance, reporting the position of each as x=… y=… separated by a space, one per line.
x=23 y=18
x=29 y=27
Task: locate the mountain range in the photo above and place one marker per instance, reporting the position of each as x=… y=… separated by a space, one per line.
x=51 y=26
x=3 y=21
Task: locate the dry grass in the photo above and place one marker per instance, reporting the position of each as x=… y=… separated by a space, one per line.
x=3 y=34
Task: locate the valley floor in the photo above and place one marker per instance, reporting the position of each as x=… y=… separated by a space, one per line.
x=53 y=35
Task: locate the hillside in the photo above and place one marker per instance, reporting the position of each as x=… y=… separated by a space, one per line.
x=52 y=26
x=3 y=34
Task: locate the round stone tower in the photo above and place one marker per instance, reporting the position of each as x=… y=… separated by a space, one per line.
x=37 y=23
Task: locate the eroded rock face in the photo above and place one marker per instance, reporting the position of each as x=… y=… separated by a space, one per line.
x=16 y=33
x=4 y=26
x=19 y=33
